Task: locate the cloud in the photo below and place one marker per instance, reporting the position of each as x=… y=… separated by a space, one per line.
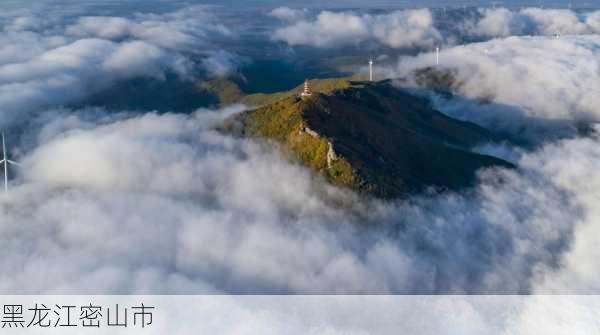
x=181 y=30
x=576 y=273
x=399 y=29
x=182 y=171
x=67 y=73
x=406 y=29
x=418 y=28
x=329 y=29
x=593 y=21
x=56 y=62
x=25 y=45
x=497 y=22
x=222 y=63
x=163 y=204
x=519 y=82
x=503 y=22
x=288 y=14
x=136 y=59
x=102 y=27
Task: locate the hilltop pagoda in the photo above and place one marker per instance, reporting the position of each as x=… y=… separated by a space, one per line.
x=306 y=92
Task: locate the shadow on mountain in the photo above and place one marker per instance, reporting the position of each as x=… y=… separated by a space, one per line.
x=510 y=122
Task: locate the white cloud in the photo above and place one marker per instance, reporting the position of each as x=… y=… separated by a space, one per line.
x=288 y=14
x=54 y=63
x=133 y=59
x=165 y=200
x=406 y=29
x=399 y=29
x=184 y=29
x=329 y=29
x=529 y=80
x=497 y=22
x=102 y=27
x=67 y=73
x=22 y=46
x=577 y=271
x=593 y=21
x=552 y=21
x=222 y=63
x=503 y=22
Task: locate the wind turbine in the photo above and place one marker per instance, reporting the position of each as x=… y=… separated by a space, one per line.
x=437 y=55
x=6 y=161
x=371 y=69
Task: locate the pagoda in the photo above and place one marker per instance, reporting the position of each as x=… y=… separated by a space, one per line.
x=306 y=92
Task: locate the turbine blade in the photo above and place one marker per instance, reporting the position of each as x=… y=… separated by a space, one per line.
x=2 y=161
x=13 y=162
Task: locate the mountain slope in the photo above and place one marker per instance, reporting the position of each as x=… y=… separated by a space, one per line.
x=374 y=138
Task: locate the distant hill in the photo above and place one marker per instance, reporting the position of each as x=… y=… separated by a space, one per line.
x=226 y=91
x=168 y=95
x=371 y=137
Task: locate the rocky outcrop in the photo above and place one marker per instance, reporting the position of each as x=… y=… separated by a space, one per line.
x=331 y=155
x=306 y=129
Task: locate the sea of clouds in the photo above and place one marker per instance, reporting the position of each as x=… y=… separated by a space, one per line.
x=502 y=22
x=426 y=28
x=537 y=87
x=407 y=28
x=49 y=60
x=162 y=203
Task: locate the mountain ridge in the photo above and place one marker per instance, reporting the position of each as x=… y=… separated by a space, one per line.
x=372 y=137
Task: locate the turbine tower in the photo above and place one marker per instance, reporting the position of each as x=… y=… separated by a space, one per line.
x=437 y=55
x=371 y=69
x=6 y=161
